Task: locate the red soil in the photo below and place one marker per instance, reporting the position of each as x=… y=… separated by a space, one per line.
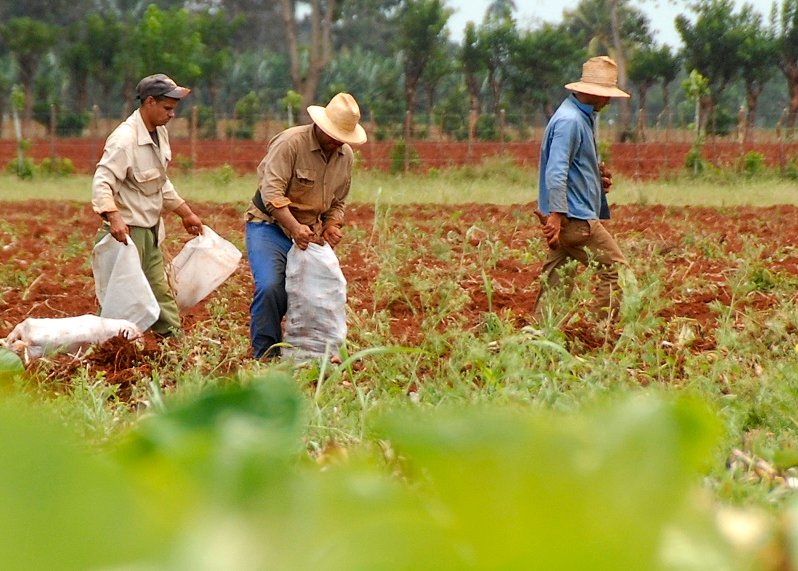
x=643 y=161
x=45 y=251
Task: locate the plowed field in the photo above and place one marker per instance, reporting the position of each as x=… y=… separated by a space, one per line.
x=493 y=253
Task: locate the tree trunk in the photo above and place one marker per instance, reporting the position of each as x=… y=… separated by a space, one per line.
x=620 y=59
x=473 y=104
x=290 y=35
x=706 y=105
x=791 y=72
x=410 y=100
x=495 y=90
x=642 y=92
x=320 y=51
x=28 y=112
x=430 y=96
x=751 y=100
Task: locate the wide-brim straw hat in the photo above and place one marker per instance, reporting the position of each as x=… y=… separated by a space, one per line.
x=599 y=77
x=340 y=119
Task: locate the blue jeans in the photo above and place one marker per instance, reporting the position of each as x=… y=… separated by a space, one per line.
x=267 y=249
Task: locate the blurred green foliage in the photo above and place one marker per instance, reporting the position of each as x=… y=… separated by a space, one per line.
x=221 y=480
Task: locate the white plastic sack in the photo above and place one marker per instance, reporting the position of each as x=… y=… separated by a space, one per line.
x=201 y=266
x=315 y=321
x=123 y=291
x=37 y=337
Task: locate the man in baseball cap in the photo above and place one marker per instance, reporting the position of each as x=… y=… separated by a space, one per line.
x=131 y=190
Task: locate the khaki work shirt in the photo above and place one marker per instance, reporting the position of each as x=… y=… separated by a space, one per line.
x=295 y=173
x=131 y=175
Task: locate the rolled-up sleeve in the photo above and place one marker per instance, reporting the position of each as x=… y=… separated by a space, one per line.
x=171 y=199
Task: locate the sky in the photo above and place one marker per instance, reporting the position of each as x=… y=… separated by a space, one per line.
x=531 y=13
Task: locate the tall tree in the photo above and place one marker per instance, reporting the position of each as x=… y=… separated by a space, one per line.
x=106 y=35
x=542 y=63
x=439 y=66
x=670 y=65
x=27 y=41
x=53 y=12
x=260 y=27
x=373 y=79
x=7 y=74
x=473 y=66
x=422 y=33
x=784 y=22
x=76 y=55
x=711 y=47
x=308 y=62
x=366 y=24
x=497 y=39
x=170 y=42
x=649 y=65
x=216 y=32
x=758 y=60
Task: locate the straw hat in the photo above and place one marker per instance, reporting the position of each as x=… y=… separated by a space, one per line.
x=340 y=119
x=599 y=77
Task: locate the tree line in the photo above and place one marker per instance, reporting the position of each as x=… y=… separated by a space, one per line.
x=247 y=58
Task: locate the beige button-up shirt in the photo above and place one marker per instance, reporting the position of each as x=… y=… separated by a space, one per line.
x=131 y=175
x=295 y=173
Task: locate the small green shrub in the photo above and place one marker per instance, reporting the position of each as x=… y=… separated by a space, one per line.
x=23 y=169
x=694 y=162
x=72 y=123
x=223 y=175
x=57 y=166
x=753 y=164
x=398 y=158
x=184 y=163
x=248 y=110
x=487 y=129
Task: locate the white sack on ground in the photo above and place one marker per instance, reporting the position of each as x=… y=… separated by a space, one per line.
x=119 y=282
x=201 y=266
x=40 y=336
x=315 y=321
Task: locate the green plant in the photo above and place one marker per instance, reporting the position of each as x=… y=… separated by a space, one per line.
x=400 y=154
x=72 y=123
x=223 y=175
x=753 y=164
x=23 y=169
x=248 y=111
x=206 y=122
x=58 y=166
x=694 y=162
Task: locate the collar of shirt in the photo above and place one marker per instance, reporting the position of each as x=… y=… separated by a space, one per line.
x=585 y=108
x=144 y=138
x=316 y=145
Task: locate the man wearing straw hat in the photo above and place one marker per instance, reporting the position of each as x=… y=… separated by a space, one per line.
x=572 y=187
x=303 y=182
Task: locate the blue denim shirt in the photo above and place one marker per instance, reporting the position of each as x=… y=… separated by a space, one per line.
x=570 y=182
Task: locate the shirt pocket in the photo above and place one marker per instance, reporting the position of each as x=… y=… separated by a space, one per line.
x=302 y=185
x=149 y=181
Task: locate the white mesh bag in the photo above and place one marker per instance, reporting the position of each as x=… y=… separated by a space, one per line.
x=315 y=321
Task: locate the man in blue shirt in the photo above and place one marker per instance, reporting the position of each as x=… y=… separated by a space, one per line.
x=572 y=187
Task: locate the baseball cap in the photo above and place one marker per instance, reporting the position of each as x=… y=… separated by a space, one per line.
x=160 y=85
